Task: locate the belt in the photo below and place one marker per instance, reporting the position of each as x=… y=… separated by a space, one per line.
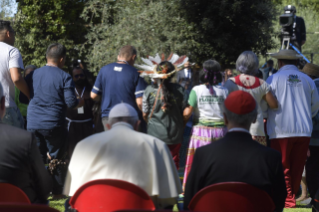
x=76 y=121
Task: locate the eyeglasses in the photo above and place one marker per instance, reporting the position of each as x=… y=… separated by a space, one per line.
x=79 y=76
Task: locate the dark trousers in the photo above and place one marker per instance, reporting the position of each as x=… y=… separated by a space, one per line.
x=54 y=142
x=312 y=171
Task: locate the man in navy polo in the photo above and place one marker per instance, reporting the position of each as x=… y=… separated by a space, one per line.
x=52 y=92
x=119 y=82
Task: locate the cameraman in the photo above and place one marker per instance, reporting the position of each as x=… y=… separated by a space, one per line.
x=298 y=28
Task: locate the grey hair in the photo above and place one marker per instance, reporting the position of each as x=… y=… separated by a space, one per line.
x=242 y=120
x=247 y=63
x=30 y=66
x=128 y=119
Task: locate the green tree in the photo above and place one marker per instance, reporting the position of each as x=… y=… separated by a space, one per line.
x=151 y=26
x=6 y=9
x=227 y=28
x=40 y=23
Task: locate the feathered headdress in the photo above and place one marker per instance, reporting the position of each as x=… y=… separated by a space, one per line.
x=150 y=67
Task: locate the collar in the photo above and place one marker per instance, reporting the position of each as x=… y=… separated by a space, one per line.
x=123 y=124
x=238 y=129
x=289 y=67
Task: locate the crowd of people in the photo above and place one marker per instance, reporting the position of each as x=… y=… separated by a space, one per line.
x=259 y=127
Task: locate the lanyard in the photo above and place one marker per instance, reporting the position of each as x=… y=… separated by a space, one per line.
x=123 y=61
x=81 y=93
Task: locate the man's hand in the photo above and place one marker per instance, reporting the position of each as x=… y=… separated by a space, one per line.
x=19 y=82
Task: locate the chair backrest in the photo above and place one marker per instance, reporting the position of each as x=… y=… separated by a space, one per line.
x=231 y=196
x=110 y=195
x=12 y=194
x=25 y=208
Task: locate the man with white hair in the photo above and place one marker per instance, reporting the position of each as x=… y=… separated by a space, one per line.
x=290 y=127
x=11 y=65
x=124 y=154
x=20 y=160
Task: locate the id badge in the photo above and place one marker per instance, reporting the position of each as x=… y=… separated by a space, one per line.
x=81 y=110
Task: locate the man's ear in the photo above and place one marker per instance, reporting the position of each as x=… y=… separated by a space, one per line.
x=108 y=126
x=134 y=57
x=137 y=124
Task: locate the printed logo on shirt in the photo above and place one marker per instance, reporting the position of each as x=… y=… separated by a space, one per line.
x=293 y=79
x=210 y=99
x=119 y=69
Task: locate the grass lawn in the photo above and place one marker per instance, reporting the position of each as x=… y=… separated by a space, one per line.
x=59 y=205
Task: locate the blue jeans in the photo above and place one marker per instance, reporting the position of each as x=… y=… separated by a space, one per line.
x=54 y=142
x=13 y=117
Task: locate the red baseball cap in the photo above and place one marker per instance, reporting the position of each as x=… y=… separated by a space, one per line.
x=240 y=102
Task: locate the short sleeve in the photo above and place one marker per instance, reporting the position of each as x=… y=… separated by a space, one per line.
x=97 y=88
x=15 y=60
x=140 y=87
x=192 y=100
x=265 y=87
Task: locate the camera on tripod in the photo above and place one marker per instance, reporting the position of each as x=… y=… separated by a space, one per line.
x=287 y=22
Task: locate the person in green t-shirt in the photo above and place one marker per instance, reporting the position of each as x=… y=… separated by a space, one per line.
x=163 y=110
x=205 y=100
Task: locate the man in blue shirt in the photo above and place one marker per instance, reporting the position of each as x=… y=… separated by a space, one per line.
x=119 y=82
x=52 y=92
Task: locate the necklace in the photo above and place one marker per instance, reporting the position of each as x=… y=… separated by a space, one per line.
x=123 y=61
x=48 y=64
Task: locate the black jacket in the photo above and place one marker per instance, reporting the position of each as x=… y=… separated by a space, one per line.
x=21 y=163
x=237 y=158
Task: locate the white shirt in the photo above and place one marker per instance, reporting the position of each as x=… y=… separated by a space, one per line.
x=124 y=154
x=257 y=128
x=298 y=102
x=10 y=57
x=188 y=73
x=208 y=105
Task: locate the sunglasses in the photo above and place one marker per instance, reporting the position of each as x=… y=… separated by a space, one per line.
x=79 y=76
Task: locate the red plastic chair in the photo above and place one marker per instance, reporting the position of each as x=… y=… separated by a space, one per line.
x=110 y=195
x=231 y=196
x=25 y=208
x=12 y=194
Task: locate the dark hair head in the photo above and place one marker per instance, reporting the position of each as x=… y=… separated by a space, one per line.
x=211 y=72
x=289 y=62
x=270 y=62
x=167 y=67
x=55 y=51
x=5 y=25
x=127 y=52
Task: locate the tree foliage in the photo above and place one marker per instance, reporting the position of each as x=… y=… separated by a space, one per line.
x=40 y=23
x=228 y=27
x=6 y=9
x=151 y=26
x=199 y=28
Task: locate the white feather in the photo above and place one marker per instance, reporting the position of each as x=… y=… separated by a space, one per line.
x=158 y=59
x=144 y=67
x=147 y=61
x=184 y=61
x=174 y=58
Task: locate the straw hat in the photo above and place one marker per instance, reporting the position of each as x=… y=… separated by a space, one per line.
x=311 y=70
x=286 y=54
